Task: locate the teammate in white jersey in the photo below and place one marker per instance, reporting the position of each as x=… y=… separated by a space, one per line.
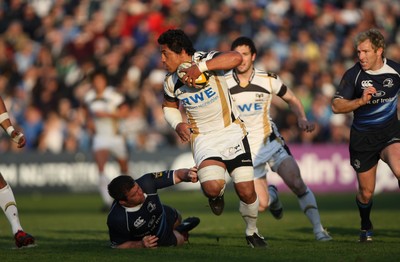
x=217 y=135
x=252 y=91
x=106 y=107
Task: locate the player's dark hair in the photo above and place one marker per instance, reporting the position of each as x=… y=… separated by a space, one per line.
x=119 y=186
x=373 y=35
x=243 y=40
x=176 y=40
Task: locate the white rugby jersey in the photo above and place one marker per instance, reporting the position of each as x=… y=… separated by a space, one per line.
x=107 y=102
x=208 y=109
x=254 y=100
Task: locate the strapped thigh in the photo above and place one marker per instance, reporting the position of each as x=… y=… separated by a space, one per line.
x=212 y=172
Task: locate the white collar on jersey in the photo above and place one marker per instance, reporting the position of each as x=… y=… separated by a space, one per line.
x=235 y=76
x=135 y=208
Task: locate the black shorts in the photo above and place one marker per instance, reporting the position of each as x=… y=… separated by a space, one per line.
x=365 y=147
x=168 y=238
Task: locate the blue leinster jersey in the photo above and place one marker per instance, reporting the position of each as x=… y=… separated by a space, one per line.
x=381 y=110
x=131 y=224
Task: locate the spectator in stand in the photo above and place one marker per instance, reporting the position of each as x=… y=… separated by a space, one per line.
x=90 y=31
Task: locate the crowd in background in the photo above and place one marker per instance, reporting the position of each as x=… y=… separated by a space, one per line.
x=49 y=48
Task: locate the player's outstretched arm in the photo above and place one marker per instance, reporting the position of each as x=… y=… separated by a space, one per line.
x=297 y=107
x=186 y=175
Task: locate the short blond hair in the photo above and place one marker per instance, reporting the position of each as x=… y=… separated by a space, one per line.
x=374 y=36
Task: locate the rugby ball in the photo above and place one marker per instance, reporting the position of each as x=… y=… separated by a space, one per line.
x=200 y=82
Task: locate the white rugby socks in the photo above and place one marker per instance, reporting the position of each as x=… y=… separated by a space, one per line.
x=9 y=206
x=309 y=206
x=249 y=213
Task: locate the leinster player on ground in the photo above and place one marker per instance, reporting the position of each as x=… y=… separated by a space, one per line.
x=138 y=219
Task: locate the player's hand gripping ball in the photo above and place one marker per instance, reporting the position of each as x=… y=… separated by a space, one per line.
x=200 y=82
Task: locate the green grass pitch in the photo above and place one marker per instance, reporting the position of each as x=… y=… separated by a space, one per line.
x=70 y=227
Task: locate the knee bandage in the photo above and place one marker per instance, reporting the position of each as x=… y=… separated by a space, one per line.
x=211 y=173
x=243 y=174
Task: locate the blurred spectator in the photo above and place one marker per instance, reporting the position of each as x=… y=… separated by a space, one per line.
x=47 y=94
x=31 y=22
x=15 y=36
x=281 y=45
x=52 y=137
x=210 y=36
x=135 y=128
x=42 y=7
x=15 y=9
x=26 y=56
x=339 y=129
x=321 y=114
x=81 y=47
x=308 y=48
x=33 y=127
x=69 y=29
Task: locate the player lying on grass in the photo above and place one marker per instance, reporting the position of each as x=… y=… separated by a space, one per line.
x=138 y=218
